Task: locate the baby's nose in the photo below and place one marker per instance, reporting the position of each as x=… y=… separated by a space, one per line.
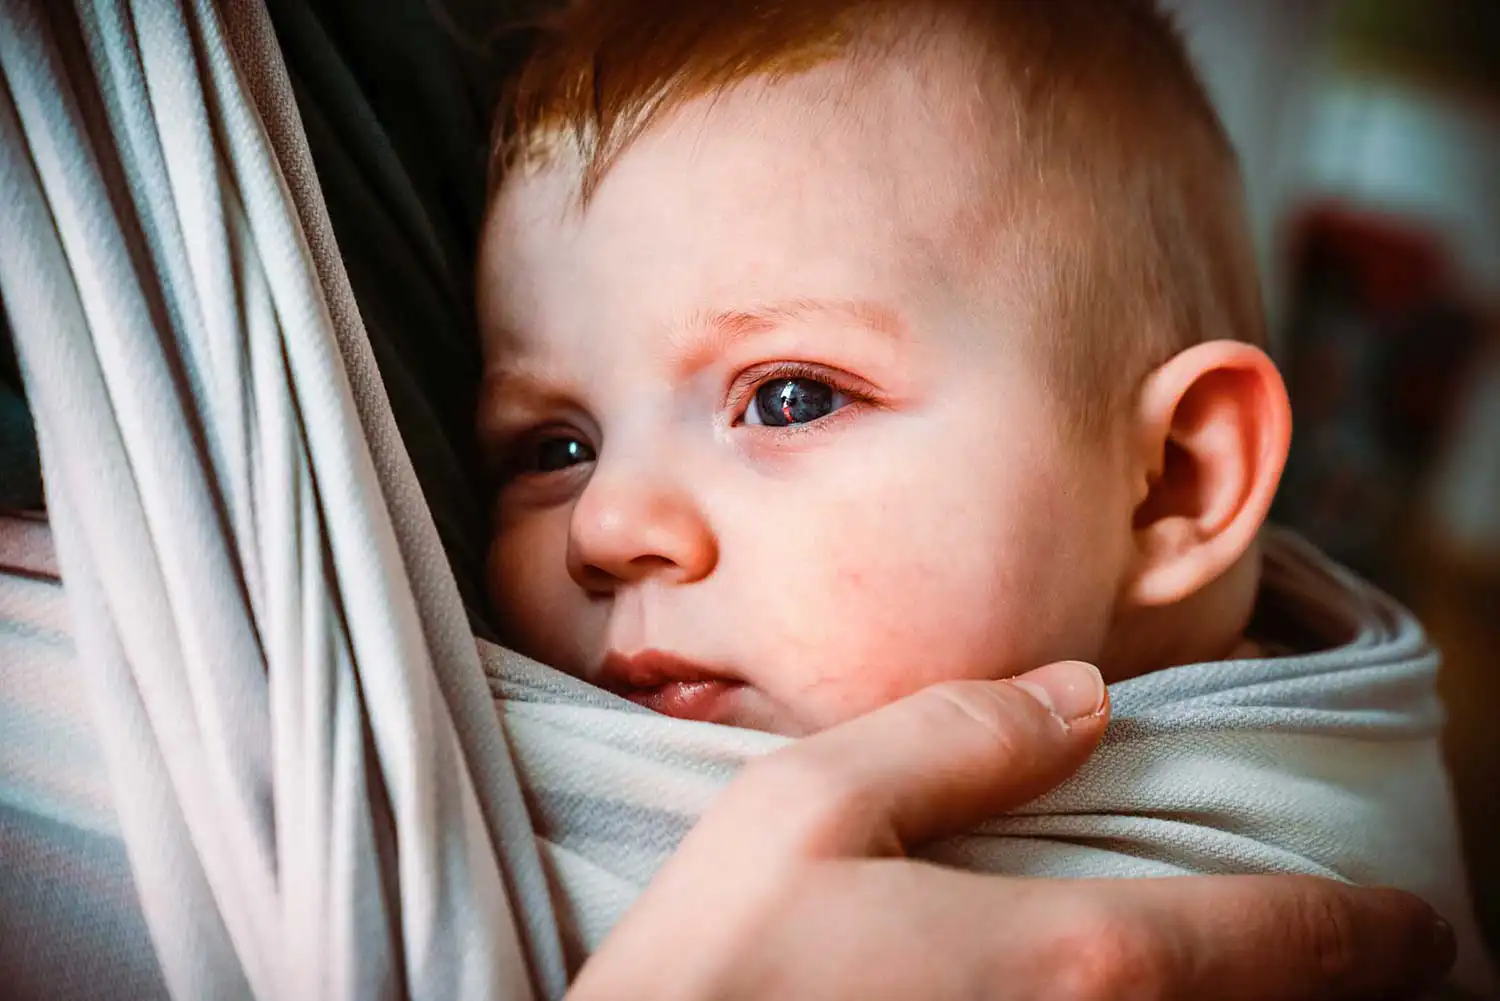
x=628 y=528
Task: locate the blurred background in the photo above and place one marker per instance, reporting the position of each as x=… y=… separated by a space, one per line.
x=1369 y=133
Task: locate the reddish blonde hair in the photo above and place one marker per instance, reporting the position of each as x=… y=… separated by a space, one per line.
x=1141 y=229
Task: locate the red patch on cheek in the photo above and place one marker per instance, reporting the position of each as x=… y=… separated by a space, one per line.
x=861 y=640
x=851 y=579
x=880 y=662
x=876 y=658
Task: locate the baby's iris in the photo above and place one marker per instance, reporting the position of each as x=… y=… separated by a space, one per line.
x=784 y=402
x=551 y=455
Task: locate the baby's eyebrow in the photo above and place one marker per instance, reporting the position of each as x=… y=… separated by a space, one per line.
x=707 y=334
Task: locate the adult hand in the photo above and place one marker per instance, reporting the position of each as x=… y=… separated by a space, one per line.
x=796 y=883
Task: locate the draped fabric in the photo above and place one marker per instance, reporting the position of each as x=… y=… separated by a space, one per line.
x=252 y=749
x=320 y=800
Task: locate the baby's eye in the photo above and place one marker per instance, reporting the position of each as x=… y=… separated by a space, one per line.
x=553 y=454
x=783 y=402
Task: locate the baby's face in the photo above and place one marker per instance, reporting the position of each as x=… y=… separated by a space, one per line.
x=767 y=464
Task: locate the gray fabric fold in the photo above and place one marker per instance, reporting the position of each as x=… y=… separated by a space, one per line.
x=319 y=799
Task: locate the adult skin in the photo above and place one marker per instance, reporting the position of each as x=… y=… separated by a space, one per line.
x=797 y=883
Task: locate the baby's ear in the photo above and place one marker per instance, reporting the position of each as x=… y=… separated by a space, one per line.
x=1213 y=426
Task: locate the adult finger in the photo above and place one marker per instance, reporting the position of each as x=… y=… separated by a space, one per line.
x=933 y=764
x=1331 y=940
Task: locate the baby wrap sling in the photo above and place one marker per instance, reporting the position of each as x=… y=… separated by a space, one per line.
x=253 y=750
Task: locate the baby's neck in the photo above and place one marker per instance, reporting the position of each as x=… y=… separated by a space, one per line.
x=1209 y=625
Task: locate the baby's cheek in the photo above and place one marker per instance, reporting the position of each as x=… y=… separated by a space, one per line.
x=893 y=626
x=880 y=588
x=872 y=677
x=536 y=603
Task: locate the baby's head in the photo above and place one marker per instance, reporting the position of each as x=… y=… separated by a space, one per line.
x=839 y=347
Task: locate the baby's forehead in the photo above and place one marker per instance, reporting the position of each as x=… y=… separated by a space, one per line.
x=908 y=148
x=798 y=189
x=895 y=192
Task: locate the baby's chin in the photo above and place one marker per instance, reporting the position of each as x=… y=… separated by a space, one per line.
x=752 y=709
x=738 y=705
x=745 y=705
x=756 y=709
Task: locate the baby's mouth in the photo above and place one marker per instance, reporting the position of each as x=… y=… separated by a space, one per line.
x=671 y=685
x=706 y=701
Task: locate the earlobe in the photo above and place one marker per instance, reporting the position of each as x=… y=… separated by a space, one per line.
x=1213 y=430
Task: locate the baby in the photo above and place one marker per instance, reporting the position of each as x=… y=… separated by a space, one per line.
x=838 y=348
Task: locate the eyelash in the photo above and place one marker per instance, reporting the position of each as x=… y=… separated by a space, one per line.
x=744 y=387
x=504 y=467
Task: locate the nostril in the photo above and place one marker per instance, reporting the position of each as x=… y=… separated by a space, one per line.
x=651 y=563
x=603 y=580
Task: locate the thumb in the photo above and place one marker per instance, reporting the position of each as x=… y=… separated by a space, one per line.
x=933 y=764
